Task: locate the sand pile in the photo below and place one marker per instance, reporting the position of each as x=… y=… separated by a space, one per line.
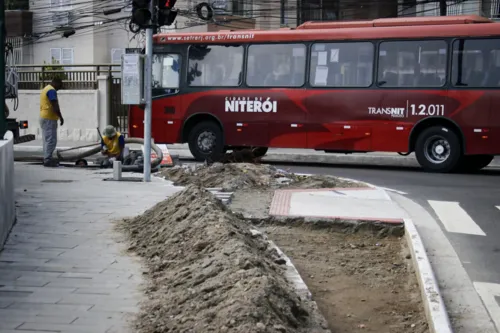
x=238 y=176
x=208 y=273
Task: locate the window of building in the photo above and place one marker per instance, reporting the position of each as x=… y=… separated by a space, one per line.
x=166 y=73
x=412 y=64
x=342 y=65
x=63 y=56
x=215 y=65
x=476 y=63
x=278 y=65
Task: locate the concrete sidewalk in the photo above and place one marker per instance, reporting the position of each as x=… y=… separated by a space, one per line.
x=61 y=269
x=274 y=155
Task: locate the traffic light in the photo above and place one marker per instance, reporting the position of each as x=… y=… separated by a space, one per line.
x=141 y=15
x=166 y=15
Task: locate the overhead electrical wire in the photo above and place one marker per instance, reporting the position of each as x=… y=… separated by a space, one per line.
x=81 y=9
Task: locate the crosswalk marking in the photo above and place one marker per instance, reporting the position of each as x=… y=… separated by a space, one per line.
x=488 y=292
x=455 y=218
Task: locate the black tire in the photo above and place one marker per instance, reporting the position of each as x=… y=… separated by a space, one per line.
x=210 y=131
x=438 y=149
x=472 y=163
x=260 y=151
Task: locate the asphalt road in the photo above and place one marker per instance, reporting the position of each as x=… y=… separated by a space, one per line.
x=476 y=213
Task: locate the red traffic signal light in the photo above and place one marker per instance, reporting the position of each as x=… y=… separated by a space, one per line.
x=168 y=4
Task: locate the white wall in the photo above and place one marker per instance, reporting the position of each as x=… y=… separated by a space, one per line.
x=80 y=109
x=7 y=200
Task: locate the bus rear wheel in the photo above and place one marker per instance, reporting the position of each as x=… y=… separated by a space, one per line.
x=206 y=141
x=438 y=149
x=473 y=163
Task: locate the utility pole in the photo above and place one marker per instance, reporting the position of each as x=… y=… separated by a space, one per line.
x=442 y=7
x=3 y=32
x=148 y=79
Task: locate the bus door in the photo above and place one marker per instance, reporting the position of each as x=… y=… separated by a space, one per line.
x=167 y=112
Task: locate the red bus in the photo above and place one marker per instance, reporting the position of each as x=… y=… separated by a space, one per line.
x=428 y=85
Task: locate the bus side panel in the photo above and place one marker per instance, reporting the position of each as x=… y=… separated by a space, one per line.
x=339 y=120
x=136 y=122
x=471 y=112
x=402 y=109
x=493 y=141
x=167 y=119
x=240 y=127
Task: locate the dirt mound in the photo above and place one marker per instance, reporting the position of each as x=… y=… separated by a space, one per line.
x=238 y=176
x=208 y=273
x=228 y=176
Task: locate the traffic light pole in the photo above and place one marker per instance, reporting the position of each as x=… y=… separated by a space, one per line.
x=148 y=79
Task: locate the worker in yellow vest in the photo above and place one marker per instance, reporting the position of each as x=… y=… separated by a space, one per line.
x=113 y=145
x=50 y=113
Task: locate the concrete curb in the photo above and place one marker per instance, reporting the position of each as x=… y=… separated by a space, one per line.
x=434 y=306
x=293 y=275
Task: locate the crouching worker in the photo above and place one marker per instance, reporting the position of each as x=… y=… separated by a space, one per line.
x=113 y=146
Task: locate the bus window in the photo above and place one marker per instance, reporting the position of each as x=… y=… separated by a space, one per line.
x=418 y=64
x=215 y=65
x=276 y=65
x=476 y=63
x=342 y=64
x=166 y=69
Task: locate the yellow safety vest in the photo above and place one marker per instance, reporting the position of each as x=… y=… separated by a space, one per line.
x=46 y=111
x=113 y=144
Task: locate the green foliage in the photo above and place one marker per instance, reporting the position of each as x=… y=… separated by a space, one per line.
x=51 y=72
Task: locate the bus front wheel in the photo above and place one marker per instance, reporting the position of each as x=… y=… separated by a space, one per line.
x=438 y=149
x=206 y=141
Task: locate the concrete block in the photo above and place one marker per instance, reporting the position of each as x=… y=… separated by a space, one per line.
x=7 y=199
x=117 y=170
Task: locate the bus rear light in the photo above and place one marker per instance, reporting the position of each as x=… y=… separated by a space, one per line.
x=368 y=133
x=134 y=126
x=241 y=125
x=170 y=122
x=484 y=137
x=239 y=130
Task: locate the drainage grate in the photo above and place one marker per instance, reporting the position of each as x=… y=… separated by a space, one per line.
x=57 y=181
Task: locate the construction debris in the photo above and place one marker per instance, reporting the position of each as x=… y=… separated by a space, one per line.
x=239 y=176
x=209 y=273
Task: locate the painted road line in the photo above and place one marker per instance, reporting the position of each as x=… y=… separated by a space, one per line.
x=498 y=207
x=455 y=218
x=489 y=292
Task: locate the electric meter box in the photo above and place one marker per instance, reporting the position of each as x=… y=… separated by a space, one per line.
x=133 y=79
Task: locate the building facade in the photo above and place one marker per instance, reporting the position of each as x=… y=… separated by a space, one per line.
x=100 y=38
